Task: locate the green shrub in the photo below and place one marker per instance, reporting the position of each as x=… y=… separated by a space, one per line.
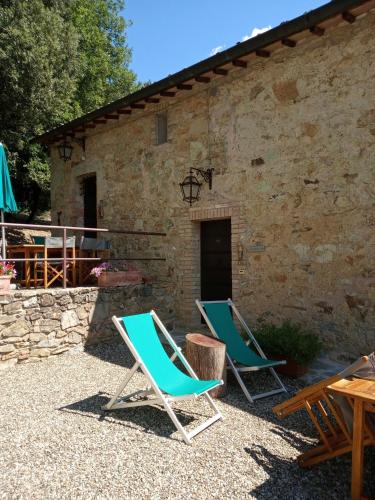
x=288 y=341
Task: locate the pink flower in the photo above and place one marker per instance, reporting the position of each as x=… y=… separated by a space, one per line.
x=97 y=271
x=7 y=269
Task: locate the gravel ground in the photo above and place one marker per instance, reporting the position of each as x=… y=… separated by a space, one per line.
x=55 y=442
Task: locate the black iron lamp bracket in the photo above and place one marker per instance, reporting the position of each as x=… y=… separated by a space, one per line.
x=81 y=141
x=190 y=186
x=206 y=174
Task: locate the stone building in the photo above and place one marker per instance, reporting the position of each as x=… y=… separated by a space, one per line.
x=287 y=121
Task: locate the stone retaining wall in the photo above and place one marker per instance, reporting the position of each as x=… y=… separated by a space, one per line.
x=36 y=324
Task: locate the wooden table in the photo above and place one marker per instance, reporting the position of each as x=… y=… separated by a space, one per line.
x=29 y=252
x=361 y=396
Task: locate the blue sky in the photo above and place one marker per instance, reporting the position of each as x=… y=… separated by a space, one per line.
x=169 y=35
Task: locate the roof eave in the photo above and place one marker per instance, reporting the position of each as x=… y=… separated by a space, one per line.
x=284 y=30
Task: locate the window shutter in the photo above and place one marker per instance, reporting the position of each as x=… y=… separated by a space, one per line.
x=161 y=128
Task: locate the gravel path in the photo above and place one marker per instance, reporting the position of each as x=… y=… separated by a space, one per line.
x=55 y=442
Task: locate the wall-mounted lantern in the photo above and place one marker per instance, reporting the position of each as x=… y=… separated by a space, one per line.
x=66 y=148
x=65 y=151
x=190 y=186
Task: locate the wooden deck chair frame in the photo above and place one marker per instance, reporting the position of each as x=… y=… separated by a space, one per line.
x=53 y=271
x=160 y=398
x=327 y=417
x=238 y=369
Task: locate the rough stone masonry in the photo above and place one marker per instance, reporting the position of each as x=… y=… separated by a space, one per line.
x=36 y=324
x=292 y=141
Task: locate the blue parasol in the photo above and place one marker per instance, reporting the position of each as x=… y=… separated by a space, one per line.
x=7 y=201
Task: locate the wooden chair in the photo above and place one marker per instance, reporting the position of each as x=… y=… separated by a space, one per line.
x=38 y=240
x=51 y=271
x=38 y=277
x=91 y=247
x=332 y=416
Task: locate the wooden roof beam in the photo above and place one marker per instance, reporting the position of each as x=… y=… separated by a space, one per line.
x=348 y=17
x=316 y=30
x=324 y=17
x=184 y=86
x=112 y=117
x=138 y=105
x=152 y=100
x=167 y=93
x=124 y=111
x=100 y=121
x=202 y=79
x=262 y=53
x=90 y=125
x=288 y=42
x=220 y=71
x=239 y=63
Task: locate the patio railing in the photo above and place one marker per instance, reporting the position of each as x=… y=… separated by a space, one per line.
x=65 y=259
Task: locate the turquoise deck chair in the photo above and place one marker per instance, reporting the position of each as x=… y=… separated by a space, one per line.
x=168 y=384
x=241 y=358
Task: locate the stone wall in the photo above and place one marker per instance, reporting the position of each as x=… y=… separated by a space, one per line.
x=292 y=141
x=36 y=324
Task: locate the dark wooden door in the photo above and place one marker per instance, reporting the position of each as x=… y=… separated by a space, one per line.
x=89 y=205
x=216 y=260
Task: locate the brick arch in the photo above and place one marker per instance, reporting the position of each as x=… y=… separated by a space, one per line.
x=190 y=260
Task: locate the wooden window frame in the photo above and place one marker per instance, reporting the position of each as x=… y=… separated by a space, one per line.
x=161 y=128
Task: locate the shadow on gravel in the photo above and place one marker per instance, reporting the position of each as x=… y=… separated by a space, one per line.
x=291 y=438
x=118 y=354
x=330 y=479
x=286 y=480
x=152 y=419
x=298 y=423
x=113 y=352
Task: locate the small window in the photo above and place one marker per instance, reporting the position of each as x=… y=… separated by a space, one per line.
x=161 y=128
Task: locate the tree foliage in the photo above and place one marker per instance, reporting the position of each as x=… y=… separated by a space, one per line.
x=104 y=55
x=58 y=59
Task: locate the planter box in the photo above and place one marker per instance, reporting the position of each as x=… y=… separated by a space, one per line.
x=5 y=285
x=291 y=369
x=119 y=278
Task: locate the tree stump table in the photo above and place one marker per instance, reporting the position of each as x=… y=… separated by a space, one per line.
x=206 y=356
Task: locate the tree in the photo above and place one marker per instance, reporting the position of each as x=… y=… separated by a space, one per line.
x=58 y=60
x=104 y=73
x=38 y=65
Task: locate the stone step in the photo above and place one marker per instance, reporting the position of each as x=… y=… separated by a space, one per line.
x=323 y=367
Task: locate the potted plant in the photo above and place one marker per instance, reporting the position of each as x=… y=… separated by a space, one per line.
x=7 y=272
x=291 y=343
x=109 y=275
